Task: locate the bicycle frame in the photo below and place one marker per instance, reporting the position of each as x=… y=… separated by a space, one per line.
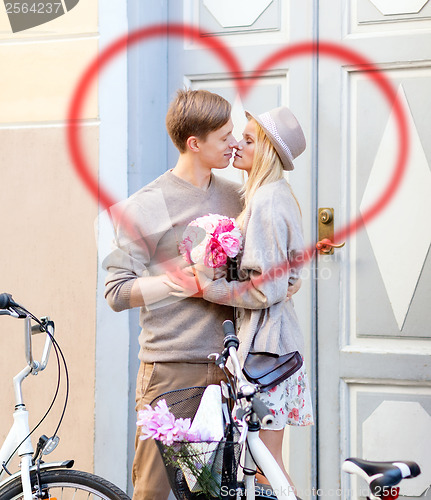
x=38 y=479
x=258 y=454
x=382 y=477
x=19 y=432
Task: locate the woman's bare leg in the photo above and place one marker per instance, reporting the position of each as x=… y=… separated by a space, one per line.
x=273 y=440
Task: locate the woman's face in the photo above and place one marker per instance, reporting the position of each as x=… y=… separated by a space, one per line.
x=245 y=153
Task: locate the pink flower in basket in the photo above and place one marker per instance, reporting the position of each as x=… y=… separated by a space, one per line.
x=210 y=240
x=192 y=447
x=159 y=423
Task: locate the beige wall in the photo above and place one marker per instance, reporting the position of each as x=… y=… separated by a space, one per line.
x=48 y=249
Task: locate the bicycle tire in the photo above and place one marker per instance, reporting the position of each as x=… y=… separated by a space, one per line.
x=66 y=484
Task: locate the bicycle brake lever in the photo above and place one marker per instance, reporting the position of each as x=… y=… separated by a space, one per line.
x=225 y=389
x=219 y=360
x=244 y=430
x=13 y=313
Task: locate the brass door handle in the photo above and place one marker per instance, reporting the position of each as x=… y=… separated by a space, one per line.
x=326 y=245
x=325 y=220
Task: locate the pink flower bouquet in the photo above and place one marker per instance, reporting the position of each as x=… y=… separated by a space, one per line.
x=191 y=446
x=210 y=240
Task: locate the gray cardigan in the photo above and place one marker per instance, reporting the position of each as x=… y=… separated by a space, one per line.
x=272 y=235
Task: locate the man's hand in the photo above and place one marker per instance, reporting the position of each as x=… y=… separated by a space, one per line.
x=187 y=282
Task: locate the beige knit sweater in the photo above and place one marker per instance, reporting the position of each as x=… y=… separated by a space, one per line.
x=273 y=234
x=174 y=329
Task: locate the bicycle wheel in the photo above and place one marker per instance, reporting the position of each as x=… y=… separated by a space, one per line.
x=66 y=485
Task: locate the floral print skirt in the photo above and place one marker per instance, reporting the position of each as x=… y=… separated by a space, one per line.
x=290 y=402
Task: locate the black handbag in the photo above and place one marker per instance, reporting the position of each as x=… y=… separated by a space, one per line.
x=268 y=370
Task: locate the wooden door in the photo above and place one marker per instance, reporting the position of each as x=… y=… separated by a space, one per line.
x=374 y=394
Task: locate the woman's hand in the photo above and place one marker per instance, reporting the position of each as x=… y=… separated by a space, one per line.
x=213 y=273
x=293 y=288
x=187 y=282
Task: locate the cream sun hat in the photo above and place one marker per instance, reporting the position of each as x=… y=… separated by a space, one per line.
x=284 y=132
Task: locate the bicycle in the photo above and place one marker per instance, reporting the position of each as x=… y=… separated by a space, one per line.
x=37 y=479
x=244 y=417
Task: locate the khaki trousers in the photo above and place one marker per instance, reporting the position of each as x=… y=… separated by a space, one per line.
x=148 y=473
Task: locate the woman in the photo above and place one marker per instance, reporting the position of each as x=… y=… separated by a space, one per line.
x=272 y=230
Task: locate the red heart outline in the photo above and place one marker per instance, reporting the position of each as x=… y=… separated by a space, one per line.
x=244 y=84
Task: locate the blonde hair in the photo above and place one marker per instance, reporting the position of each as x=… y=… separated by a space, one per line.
x=195 y=113
x=267 y=167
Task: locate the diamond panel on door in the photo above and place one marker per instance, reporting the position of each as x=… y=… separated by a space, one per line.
x=392 y=266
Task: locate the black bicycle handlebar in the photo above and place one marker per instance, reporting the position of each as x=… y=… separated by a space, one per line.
x=230 y=338
x=228 y=327
x=6 y=300
x=9 y=307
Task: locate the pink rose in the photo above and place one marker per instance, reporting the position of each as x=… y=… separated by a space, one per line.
x=208 y=222
x=230 y=244
x=214 y=254
x=224 y=226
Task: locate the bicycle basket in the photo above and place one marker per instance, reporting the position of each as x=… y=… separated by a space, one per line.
x=199 y=470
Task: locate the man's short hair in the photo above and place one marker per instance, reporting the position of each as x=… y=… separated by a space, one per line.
x=195 y=113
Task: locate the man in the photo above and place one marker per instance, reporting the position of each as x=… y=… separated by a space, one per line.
x=177 y=335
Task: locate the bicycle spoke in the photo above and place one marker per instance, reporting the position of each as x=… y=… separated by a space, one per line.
x=69 y=485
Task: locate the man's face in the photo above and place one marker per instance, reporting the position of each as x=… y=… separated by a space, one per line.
x=215 y=151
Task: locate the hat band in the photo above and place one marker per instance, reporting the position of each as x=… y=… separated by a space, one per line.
x=269 y=124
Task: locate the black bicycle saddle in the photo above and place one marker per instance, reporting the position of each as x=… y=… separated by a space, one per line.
x=381 y=475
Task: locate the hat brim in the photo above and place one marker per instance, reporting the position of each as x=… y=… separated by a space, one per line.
x=285 y=159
